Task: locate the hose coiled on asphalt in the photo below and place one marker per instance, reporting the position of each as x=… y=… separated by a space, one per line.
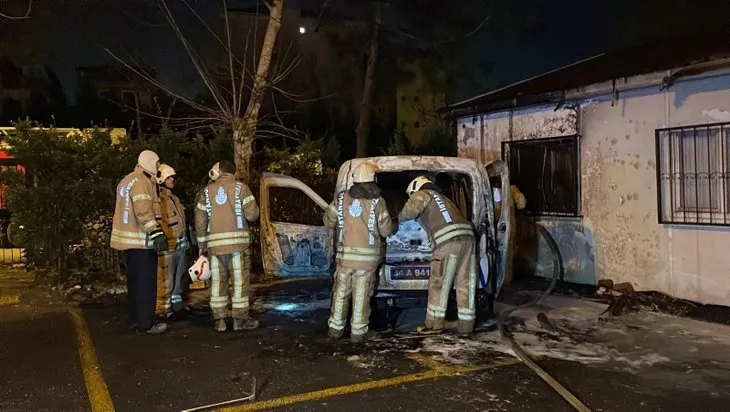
x=521 y=352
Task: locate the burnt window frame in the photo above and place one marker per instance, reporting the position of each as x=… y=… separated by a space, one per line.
x=574 y=201
x=672 y=184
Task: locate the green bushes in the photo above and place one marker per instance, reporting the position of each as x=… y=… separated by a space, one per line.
x=61 y=208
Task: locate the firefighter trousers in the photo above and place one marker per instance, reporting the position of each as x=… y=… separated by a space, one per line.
x=355 y=284
x=236 y=266
x=452 y=261
x=141 y=291
x=171 y=272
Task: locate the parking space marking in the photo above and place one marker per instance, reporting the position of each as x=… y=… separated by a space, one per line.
x=435 y=370
x=99 y=397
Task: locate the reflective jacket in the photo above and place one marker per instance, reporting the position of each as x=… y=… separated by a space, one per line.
x=221 y=214
x=362 y=224
x=136 y=211
x=438 y=215
x=172 y=219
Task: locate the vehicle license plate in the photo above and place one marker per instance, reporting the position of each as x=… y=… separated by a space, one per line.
x=410 y=273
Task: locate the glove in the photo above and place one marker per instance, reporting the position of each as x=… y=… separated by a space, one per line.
x=159 y=241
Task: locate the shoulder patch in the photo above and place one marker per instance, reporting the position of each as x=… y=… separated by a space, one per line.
x=221 y=197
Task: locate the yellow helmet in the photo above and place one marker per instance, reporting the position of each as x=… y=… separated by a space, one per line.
x=165 y=171
x=365 y=172
x=416 y=184
x=215 y=171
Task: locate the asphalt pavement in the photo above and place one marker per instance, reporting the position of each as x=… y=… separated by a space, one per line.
x=60 y=357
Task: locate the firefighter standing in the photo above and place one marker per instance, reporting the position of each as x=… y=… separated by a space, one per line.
x=517 y=201
x=452 y=239
x=172 y=263
x=137 y=233
x=362 y=218
x=221 y=228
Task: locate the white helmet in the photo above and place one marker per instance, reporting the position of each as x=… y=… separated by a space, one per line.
x=165 y=172
x=365 y=173
x=200 y=271
x=416 y=184
x=215 y=171
x=148 y=160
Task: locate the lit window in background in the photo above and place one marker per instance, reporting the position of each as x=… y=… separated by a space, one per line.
x=302 y=30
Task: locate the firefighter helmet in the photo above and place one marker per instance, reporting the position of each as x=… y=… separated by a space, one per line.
x=148 y=160
x=365 y=172
x=200 y=271
x=215 y=171
x=416 y=184
x=165 y=172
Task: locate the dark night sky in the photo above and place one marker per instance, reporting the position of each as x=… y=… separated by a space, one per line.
x=70 y=33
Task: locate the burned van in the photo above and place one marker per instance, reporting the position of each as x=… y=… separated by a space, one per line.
x=306 y=248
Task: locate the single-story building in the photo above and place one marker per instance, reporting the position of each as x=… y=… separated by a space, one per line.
x=625 y=158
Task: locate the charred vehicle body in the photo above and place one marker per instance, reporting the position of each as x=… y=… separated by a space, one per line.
x=290 y=249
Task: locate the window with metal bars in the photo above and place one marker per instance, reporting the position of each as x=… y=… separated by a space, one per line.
x=547 y=172
x=692 y=174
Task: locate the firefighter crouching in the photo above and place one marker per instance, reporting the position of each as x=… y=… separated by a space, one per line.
x=172 y=263
x=452 y=239
x=362 y=218
x=221 y=215
x=136 y=232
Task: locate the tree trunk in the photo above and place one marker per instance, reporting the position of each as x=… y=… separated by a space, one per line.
x=363 y=126
x=244 y=130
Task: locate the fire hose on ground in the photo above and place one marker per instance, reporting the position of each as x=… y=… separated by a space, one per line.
x=520 y=352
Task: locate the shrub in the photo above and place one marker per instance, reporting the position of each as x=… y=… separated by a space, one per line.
x=65 y=201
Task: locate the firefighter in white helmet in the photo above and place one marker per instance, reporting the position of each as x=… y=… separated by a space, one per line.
x=454 y=254
x=137 y=232
x=172 y=263
x=362 y=218
x=222 y=213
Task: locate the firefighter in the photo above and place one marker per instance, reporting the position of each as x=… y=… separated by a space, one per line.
x=221 y=228
x=517 y=202
x=172 y=263
x=454 y=259
x=362 y=218
x=138 y=234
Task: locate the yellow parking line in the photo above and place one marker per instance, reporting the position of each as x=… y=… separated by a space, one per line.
x=436 y=370
x=99 y=397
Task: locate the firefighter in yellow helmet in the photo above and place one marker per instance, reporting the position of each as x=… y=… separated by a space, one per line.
x=222 y=213
x=362 y=218
x=136 y=232
x=454 y=254
x=172 y=263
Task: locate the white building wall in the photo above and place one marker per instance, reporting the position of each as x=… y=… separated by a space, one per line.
x=618 y=236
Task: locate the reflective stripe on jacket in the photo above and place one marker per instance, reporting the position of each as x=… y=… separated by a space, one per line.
x=222 y=213
x=361 y=225
x=438 y=215
x=136 y=211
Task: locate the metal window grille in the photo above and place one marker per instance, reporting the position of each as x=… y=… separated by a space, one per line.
x=693 y=163
x=547 y=172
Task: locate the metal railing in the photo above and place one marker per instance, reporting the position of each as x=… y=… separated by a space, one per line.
x=693 y=166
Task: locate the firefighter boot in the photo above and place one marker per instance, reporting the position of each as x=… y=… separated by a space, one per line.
x=220 y=325
x=334 y=334
x=245 y=324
